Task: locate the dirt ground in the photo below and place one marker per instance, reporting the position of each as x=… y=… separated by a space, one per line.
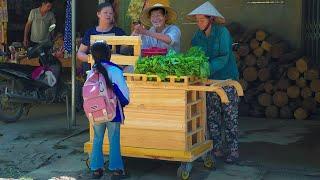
x=41 y=147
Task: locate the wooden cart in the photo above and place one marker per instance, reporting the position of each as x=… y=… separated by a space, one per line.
x=166 y=120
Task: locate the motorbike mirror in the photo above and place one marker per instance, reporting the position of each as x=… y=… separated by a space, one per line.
x=52 y=27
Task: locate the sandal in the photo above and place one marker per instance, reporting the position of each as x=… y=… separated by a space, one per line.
x=118 y=174
x=97 y=174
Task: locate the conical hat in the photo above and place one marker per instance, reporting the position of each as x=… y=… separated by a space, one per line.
x=208 y=9
x=171 y=14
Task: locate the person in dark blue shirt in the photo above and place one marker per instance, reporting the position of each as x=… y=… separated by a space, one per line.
x=106 y=26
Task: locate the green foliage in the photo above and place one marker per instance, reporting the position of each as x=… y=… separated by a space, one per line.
x=193 y=63
x=135 y=9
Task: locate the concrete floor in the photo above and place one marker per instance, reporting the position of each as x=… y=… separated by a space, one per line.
x=39 y=147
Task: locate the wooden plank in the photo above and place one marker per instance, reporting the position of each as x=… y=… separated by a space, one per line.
x=156 y=125
x=165 y=110
x=172 y=80
x=124 y=60
x=137 y=50
x=117 y=40
x=194 y=126
x=145 y=138
x=197 y=130
x=194 y=117
x=153 y=117
x=194 y=102
x=118 y=59
x=157 y=97
x=163 y=154
x=215 y=89
x=120 y=40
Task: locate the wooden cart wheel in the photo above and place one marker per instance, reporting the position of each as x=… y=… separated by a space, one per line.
x=209 y=162
x=183 y=174
x=184 y=171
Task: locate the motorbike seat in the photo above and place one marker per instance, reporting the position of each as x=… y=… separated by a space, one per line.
x=23 y=69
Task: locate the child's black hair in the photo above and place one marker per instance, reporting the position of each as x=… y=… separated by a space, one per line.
x=101 y=51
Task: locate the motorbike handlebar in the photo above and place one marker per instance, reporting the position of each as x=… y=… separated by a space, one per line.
x=35 y=51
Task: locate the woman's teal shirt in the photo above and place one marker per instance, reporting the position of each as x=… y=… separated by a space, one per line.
x=218 y=47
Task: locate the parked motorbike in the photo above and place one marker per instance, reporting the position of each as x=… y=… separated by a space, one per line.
x=19 y=91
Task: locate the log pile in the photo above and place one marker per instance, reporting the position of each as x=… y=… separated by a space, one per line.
x=278 y=81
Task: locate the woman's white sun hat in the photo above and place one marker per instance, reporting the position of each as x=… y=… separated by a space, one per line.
x=208 y=9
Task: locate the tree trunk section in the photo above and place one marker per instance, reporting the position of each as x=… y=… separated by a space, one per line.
x=243 y=50
x=283 y=84
x=293 y=92
x=265 y=99
x=261 y=35
x=315 y=85
x=301 y=114
x=266 y=46
x=280 y=99
x=250 y=74
x=293 y=73
x=258 y=52
x=264 y=74
x=301 y=82
x=306 y=92
x=250 y=60
x=262 y=62
x=272 y=112
x=254 y=44
x=312 y=74
x=268 y=87
x=302 y=65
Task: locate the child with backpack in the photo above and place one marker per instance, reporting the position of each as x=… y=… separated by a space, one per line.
x=111 y=114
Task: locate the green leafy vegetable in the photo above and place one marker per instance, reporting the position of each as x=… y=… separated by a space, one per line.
x=193 y=63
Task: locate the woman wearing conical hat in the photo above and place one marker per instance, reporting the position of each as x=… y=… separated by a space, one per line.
x=162 y=34
x=216 y=41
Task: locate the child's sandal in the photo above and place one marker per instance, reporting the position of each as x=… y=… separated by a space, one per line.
x=118 y=174
x=97 y=174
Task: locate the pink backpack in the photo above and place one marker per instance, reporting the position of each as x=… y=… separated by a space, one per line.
x=99 y=101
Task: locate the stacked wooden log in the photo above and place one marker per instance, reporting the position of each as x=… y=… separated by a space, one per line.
x=278 y=81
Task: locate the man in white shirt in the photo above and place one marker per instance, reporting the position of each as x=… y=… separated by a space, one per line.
x=39 y=22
